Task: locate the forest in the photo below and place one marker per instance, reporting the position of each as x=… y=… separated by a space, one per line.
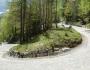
x=33 y=22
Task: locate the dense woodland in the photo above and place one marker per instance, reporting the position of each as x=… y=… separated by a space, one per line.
x=28 y=18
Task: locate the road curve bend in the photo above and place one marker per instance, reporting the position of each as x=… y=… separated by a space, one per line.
x=76 y=59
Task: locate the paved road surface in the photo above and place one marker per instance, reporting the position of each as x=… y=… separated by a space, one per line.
x=76 y=59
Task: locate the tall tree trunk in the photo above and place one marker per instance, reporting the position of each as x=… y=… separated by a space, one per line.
x=21 y=35
x=56 y=16
x=23 y=12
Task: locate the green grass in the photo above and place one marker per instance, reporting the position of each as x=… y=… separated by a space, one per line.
x=52 y=37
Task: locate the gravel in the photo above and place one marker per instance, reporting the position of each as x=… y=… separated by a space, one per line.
x=75 y=59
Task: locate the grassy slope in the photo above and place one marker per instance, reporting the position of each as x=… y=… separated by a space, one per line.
x=62 y=37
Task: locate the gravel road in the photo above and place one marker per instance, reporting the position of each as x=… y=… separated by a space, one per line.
x=75 y=59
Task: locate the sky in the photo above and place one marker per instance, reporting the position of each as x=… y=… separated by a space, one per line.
x=3 y=5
